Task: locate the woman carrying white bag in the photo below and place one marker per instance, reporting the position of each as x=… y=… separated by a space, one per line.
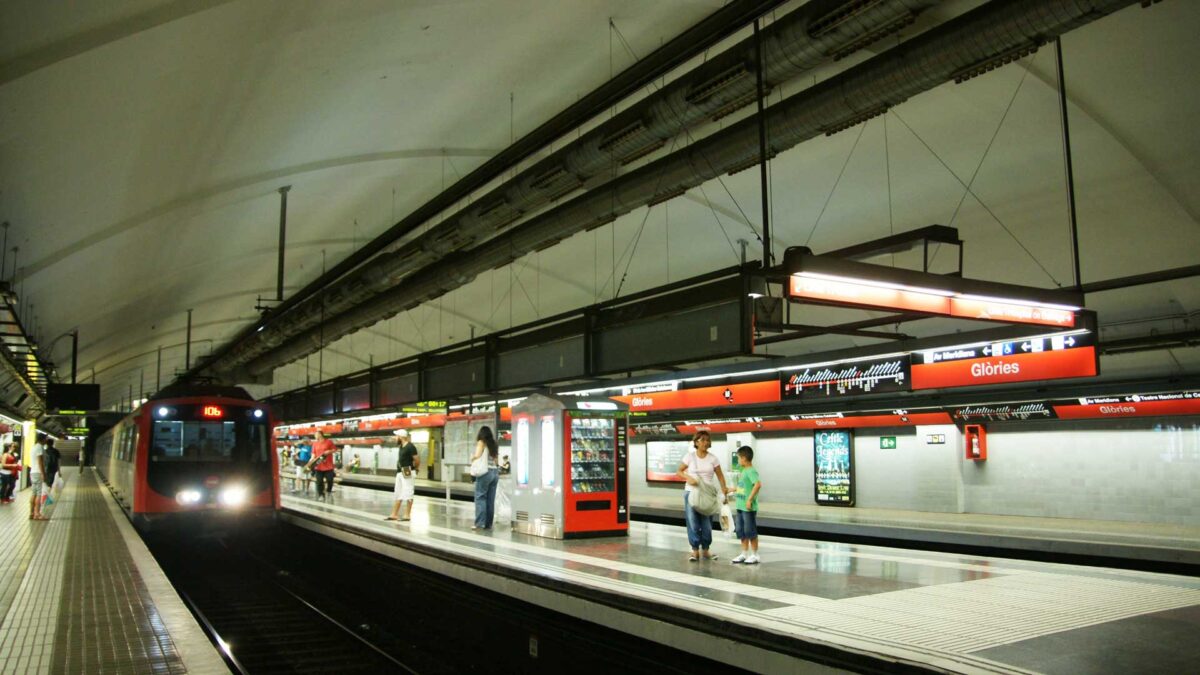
x=701 y=498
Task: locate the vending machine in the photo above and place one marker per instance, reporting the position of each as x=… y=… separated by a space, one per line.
x=570 y=465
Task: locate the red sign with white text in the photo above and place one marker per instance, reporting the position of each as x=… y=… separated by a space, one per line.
x=992 y=310
x=847 y=422
x=704 y=397
x=1024 y=367
x=868 y=295
x=1129 y=409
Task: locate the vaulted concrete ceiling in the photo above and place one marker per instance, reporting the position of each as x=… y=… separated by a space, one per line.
x=142 y=144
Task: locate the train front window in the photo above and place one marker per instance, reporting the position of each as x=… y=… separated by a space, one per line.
x=208 y=441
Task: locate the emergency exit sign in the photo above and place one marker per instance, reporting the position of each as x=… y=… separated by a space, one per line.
x=887 y=442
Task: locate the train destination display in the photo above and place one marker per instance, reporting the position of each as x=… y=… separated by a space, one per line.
x=833 y=475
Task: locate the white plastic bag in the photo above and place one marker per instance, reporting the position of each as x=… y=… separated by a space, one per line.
x=479 y=466
x=727 y=521
x=504 y=500
x=59 y=484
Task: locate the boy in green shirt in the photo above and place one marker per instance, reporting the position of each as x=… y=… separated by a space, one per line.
x=746 y=521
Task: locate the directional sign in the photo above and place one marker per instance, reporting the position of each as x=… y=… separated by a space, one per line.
x=1026 y=360
x=887 y=442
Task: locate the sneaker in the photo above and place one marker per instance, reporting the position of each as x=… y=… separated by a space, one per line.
x=738 y=560
x=752 y=559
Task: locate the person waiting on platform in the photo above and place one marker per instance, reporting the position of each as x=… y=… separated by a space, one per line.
x=37 y=470
x=485 y=485
x=321 y=463
x=10 y=468
x=406 y=477
x=746 y=519
x=303 y=455
x=356 y=465
x=699 y=465
x=53 y=460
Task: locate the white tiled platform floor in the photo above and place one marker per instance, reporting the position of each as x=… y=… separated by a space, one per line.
x=79 y=593
x=931 y=607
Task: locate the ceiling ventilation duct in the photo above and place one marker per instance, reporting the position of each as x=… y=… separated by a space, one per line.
x=717 y=88
x=985 y=35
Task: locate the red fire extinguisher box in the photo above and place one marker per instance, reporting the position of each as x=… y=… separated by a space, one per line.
x=976 y=441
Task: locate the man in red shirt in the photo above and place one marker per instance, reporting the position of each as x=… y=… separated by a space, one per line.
x=322 y=463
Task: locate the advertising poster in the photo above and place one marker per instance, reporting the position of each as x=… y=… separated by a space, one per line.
x=663 y=459
x=833 y=455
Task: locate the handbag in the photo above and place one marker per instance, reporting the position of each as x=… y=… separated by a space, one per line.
x=479 y=466
x=704 y=499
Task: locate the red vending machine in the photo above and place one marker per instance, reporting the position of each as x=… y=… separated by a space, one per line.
x=570 y=464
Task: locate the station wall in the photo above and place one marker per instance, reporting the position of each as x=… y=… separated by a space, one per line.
x=1135 y=470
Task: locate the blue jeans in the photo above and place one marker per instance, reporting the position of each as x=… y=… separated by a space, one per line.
x=485 y=498
x=746 y=523
x=699 y=527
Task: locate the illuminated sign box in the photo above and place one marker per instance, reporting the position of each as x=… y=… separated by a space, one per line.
x=849 y=283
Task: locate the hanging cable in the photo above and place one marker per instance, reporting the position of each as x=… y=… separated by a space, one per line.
x=837 y=182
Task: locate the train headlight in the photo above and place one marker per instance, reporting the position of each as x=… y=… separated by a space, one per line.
x=233 y=496
x=258 y=414
x=164 y=411
x=188 y=497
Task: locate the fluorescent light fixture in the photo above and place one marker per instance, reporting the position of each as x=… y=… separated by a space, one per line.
x=878 y=284
x=596 y=405
x=1013 y=301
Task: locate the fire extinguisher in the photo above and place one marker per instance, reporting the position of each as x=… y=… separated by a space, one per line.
x=974 y=445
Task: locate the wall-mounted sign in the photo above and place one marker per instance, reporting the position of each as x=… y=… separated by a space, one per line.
x=704 y=397
x=663 y=459
x=1134 y=405
x=887 y=442
x=1004 y=412
x=1001 y=362
x=935 y=439
x=833 y=470
x=77 y=431
x=860 y=377
x=817 y=421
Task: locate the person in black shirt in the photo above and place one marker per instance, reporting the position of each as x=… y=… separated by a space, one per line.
x=53 y=457
x=406 y=474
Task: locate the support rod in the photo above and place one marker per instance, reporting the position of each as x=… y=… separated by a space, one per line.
x=158 y=372
x=187 y=350
x=1066 y=133
x=74 y=354
x=283 y=193
x=3 y=251
x=762 y=148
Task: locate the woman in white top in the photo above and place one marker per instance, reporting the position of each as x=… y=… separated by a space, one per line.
x=485 y=485
x=699 y=465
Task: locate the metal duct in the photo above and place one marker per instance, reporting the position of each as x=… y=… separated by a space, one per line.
x=967 y=43
x=803 y=39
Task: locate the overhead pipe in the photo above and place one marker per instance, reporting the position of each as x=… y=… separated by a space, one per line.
x=676 y=51
x=968 y=45
x=808 y=37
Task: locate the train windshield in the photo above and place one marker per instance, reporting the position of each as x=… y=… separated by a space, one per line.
x=209 y=441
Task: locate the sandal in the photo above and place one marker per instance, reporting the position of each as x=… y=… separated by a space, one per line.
x=710 y=556
x=390 y=518
x=693 y=557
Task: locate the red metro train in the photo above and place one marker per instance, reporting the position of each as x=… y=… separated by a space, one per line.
x=202 y=455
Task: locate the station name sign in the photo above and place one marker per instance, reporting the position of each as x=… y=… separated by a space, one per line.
x=1046 y=358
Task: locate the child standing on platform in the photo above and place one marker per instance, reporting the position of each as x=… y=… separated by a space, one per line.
x=746 y=519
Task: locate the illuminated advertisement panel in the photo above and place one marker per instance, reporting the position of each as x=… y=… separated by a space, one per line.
x=833 y=470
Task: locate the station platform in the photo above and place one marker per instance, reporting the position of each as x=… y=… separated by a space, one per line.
x=809 y=606
x=1174 y=546
x=80 y=593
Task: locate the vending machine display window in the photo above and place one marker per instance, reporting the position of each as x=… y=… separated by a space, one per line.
x=522 y=441
x=592 y=467
x=548 y=436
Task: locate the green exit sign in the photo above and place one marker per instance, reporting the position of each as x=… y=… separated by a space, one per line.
x=887 y=442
